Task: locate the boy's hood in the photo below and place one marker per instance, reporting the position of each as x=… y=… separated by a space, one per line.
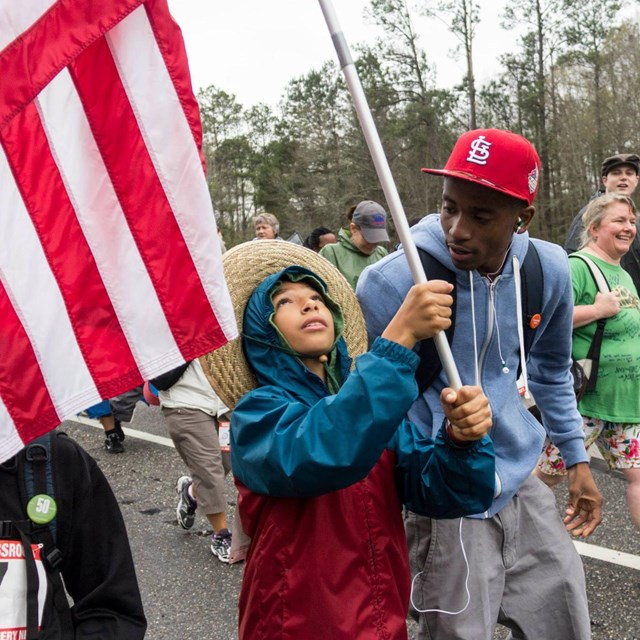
x=263 y=346
x=428 y=234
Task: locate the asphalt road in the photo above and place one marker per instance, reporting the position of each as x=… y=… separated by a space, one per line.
x=189 y=594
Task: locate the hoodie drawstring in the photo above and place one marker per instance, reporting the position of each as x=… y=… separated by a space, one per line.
x=523 y=365
x=523 y=359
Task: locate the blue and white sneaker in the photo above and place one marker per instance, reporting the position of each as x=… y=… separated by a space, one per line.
x=221 y=545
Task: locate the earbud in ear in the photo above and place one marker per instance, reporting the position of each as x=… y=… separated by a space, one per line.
x=520 y=224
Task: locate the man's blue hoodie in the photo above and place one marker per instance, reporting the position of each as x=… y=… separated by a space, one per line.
x=492 y=309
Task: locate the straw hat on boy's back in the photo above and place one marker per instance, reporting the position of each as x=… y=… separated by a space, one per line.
x=245 y=267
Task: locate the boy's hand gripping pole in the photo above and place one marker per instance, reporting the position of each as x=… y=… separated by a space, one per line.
x=384 y=175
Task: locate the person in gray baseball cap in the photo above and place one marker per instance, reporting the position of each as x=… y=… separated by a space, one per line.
x=360 y=242
x=370 y=220
x=620 y=174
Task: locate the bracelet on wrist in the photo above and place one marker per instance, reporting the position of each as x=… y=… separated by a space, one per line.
x=452 y=437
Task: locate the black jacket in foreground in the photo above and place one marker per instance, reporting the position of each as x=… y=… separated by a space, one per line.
x=97 y=566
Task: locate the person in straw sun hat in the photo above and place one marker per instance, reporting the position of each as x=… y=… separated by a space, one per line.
x=322 y=455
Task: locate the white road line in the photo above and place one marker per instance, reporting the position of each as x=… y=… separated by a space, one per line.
x=608 y=555
x=133 y=433
x=584 y=549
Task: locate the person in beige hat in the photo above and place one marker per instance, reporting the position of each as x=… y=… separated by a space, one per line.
x=322 y=455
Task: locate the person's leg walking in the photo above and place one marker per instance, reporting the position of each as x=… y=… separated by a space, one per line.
x=619 y=445
x=545 y=592
x=123 y=406
x=632 y=476
x=195 y=437
x=439 y=573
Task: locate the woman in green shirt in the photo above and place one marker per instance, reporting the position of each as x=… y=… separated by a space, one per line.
x=611 y=412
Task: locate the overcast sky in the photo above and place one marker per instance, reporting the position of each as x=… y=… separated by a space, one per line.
x=252 y=48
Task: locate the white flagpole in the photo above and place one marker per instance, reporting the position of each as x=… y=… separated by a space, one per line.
x=384 y=175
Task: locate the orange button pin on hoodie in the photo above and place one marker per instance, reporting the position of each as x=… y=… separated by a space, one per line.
x=536 y=318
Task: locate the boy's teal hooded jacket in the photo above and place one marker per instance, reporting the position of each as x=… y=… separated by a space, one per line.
x=322 y=478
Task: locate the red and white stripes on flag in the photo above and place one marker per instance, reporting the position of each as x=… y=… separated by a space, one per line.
x=110 y=265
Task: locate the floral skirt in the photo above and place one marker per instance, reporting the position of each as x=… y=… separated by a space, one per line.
x=619 y=444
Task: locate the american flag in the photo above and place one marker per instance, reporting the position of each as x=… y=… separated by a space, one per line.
x=110 y=264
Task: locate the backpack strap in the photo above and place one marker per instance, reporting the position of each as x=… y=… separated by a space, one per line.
x=532 y=286
x=21 y=529
x=33 y=463
x=430 y=365
x=596 y=272
x=38 y=463
x=38 y=473
x=596 y=344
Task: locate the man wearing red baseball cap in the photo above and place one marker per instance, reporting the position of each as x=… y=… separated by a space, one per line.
x=516 y=559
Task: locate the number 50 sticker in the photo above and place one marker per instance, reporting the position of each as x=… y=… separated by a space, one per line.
x=42 y=509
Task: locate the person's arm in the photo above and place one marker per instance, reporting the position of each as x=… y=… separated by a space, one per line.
x=453 y=475
x=549 y=362
x=286 y=448
x=381 y=296
x=605 y=305
x=552 y=386
x=583 y=512
x=98 y=568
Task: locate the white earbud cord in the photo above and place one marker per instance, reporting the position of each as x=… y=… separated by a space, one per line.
x=466 y=584
x=523 y=359
x=505 y=369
